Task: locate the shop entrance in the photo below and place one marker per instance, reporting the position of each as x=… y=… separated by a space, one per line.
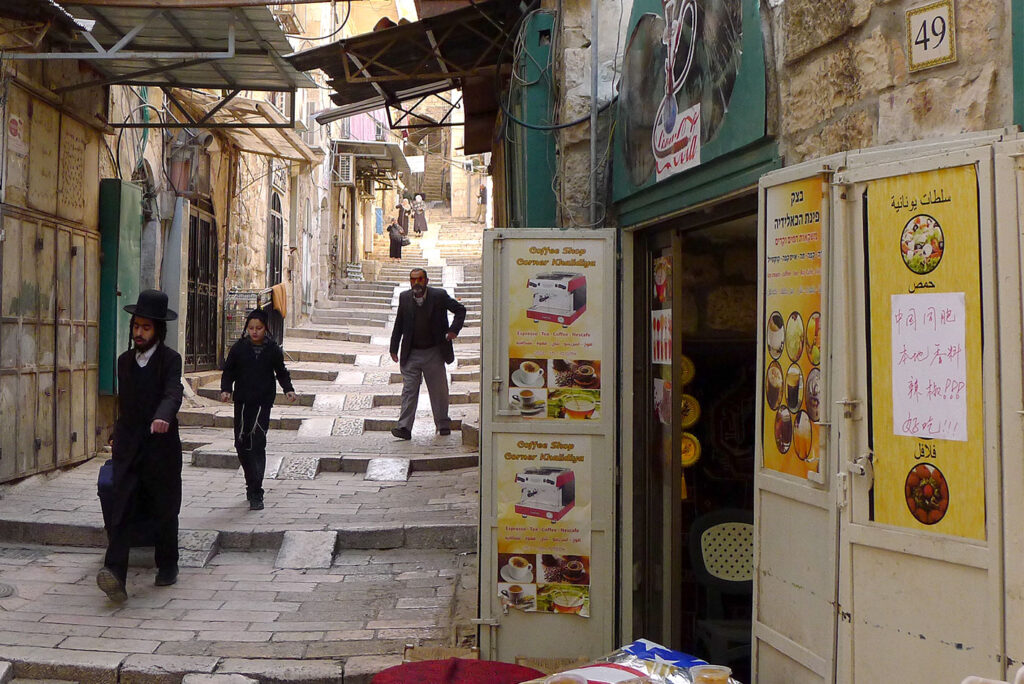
x=694 y=450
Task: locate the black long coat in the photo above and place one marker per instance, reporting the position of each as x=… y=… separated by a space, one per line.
x=438 y=303
x=395 y=234
x=133 y=441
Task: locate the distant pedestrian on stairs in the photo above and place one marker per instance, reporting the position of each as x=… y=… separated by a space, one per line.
x=248 y=377
x=397 y=236
x=421 y=343
x=404 y=210
x=146 y=452
x=481 y=204
x=419 y=215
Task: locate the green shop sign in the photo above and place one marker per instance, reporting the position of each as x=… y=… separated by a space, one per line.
x=692 y=92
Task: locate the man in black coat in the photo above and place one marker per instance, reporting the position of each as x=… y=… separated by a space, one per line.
x=421 y=343
x=147 y=447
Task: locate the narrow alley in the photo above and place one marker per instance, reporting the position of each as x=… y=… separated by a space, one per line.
x=367 y=543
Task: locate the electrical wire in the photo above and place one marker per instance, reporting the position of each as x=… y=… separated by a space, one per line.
x=348 y=13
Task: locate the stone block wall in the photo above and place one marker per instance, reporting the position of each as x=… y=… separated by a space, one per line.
x=843 y=82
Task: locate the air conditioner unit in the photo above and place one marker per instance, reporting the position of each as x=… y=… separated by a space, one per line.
x=345 y=169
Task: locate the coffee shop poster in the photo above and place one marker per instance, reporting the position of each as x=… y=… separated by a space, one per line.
x=556 y=313
x=793 y=384
x=925 y=336
x=544 y=506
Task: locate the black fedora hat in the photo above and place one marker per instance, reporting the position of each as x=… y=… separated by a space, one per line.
x=152 y=304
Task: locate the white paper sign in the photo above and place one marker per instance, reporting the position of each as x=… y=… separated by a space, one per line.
x=929 y=366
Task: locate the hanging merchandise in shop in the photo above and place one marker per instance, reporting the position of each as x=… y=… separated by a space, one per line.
x=793 y=383
x=925 y=335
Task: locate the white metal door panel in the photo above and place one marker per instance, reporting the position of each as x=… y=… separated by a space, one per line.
x=915 y=604
x=795 y=517
x=1009 y=183
x=511 y=633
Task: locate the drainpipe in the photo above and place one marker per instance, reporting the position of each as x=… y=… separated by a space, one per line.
x=594 y=63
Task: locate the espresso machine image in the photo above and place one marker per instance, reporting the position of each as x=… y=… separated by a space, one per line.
x=547 y=492
x=560 y=297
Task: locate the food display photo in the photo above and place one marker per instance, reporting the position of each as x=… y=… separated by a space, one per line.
x=574 y=404
x=579 y=373
x=564 y=598
x=531 y=403
x=922 y=244
x=528 y=372
x=564 y=569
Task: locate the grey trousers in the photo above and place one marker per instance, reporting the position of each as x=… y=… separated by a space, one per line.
x=428 y=365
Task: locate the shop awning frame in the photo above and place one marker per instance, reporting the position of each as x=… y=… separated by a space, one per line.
x=252 y=125
x=222 y=48
x=411 y=62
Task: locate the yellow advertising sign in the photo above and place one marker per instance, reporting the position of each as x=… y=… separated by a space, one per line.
x=543 y=500
x=555 y=323
x=924 y=293
x=793 y=382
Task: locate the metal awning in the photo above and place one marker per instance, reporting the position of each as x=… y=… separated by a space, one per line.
x=220 y=48
x=410 y=62
x=254 y=126
x=374 y=158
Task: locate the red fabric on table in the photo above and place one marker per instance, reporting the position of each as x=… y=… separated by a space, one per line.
x=456 y=671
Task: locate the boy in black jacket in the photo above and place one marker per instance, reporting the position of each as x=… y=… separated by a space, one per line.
x=251 y=366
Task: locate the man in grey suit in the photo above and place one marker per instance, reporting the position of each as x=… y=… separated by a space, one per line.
x=421 y=343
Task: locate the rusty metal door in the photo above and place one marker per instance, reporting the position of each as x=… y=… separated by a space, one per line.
x=49 y=311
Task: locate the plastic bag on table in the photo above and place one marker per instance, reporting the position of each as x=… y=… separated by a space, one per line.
x=641 y=660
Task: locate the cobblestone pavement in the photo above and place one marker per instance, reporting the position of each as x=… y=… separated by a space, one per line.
x=329 y=583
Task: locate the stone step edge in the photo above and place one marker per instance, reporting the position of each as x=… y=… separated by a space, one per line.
x=219 y=457
x=365 y=536
x=104 y=667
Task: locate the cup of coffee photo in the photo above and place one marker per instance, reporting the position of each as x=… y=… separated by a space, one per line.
x=573 y=570
x=776 y=334
x=527 y=399
x=532 y=372
x=578 y=406
x=514 y=593
x=794 y=387
x=585 y=374
x=521 y=567
x=773 y=385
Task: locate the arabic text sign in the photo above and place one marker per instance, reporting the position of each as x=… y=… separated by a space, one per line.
x=929 y=368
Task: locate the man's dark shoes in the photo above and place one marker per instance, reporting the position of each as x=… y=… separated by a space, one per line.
x=401 y=433
x=255 y=504
x=112 y=585
x=165 y=578
x=444 y=431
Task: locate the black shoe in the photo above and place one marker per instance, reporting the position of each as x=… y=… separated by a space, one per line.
x=401 y=433
x=255 y=504
x=165 y=578
x=112 y=585
x=444 y=431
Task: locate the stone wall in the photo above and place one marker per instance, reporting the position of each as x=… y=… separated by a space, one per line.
x=843 y=79
x=572 y=71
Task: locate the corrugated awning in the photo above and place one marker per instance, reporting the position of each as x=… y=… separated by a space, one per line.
x=248 y=124
x=223 y=48
x=407 y=63
x=374 y=158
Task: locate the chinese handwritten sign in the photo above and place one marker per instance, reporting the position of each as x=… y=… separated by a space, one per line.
x=929 y=369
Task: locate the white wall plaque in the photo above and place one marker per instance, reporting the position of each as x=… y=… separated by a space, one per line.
x=931 y=35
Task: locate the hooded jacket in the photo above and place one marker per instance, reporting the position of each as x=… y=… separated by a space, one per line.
x=251 y=375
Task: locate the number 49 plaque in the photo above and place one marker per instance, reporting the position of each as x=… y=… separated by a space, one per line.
x=931 y=35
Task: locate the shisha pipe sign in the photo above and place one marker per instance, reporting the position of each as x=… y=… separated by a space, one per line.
x=675 y=137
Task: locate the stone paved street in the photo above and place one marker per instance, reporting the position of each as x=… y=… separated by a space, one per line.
x=329 y=583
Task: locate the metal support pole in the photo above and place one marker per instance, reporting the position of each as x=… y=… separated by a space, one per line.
x=594 y=63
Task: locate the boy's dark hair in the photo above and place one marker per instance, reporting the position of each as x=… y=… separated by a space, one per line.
x=159 y=326
x=258 y=314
